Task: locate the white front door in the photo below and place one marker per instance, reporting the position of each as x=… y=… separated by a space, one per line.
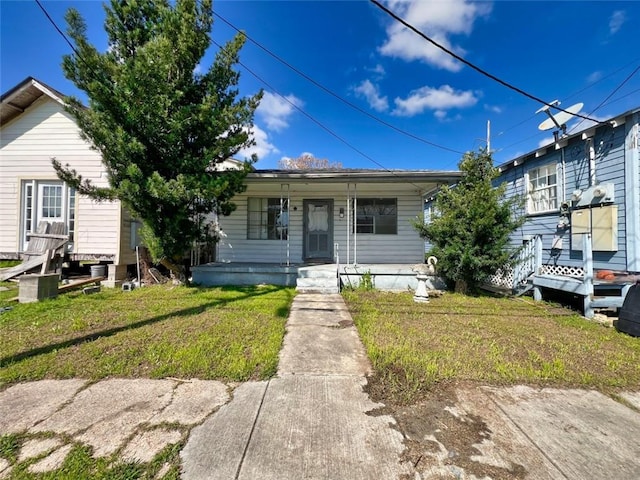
x=46 y=201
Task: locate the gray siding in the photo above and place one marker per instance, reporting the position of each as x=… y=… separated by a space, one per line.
x=403 y=247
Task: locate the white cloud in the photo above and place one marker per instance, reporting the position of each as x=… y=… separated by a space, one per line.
x=440 y=114
x=618 y=18
x=438 y=20
x=545 y=142
x=262 y=148
x=594 y=76
x=493 y=109
x=371 y=93
x=439 y=99
x=378 y=69
x=276 y=110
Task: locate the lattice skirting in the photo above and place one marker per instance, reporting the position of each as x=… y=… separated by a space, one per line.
x=562 y=270
x=502 y=278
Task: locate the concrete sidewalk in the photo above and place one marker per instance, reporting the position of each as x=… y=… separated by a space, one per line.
x=314 y=421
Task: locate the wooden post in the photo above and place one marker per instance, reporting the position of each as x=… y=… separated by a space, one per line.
x=538 y=255
x=588 y=274
x=537 y=266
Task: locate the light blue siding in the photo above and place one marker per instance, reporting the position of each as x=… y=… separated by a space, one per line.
x=609 y=147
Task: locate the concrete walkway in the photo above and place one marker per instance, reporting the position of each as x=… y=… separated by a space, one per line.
x=314 y=421
x=311 y=421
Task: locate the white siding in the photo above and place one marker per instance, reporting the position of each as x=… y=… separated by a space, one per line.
x=404 y=247
x=27 y=145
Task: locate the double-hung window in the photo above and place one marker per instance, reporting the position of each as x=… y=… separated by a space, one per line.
x=542 y=194
x=376 y=215
x=267 y=218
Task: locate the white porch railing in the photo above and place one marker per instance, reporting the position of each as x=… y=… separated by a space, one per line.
x=528 y=262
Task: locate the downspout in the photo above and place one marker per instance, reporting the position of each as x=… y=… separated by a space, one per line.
x=564 y=178
x=592 y=162
x=632 y=192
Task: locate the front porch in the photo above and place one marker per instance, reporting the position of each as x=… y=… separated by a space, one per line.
x=530 y=273
x=324 y=278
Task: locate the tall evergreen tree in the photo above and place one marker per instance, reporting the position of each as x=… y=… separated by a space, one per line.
x=470 y=226
x=160 y=126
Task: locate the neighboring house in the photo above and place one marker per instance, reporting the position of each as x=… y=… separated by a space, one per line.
x=359 y=220
x=584 y=186
x=34 y=128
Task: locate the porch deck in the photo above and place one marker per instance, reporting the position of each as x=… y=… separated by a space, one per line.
x=393 y=277
x=530 y=274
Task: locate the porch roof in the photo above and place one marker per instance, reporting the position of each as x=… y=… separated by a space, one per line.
x=425 y=179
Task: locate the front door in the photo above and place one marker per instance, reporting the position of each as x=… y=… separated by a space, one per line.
x=318 y=230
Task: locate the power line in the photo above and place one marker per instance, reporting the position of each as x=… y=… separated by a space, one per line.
x=57 y=28
x=333 y=94
x=317 y=122
x=476 y=68
x=610 y=95
x=314 y=120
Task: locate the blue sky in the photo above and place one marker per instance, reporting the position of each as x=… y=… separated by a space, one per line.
x=573 y=51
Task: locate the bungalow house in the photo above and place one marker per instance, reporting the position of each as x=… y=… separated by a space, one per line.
x=582 y=208
x=315 y=229
x=34 y=127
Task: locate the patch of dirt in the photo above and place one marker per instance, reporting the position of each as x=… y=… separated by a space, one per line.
x=440 y=439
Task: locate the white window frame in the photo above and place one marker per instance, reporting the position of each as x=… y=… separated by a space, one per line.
x=31 y=208
x=542 y=194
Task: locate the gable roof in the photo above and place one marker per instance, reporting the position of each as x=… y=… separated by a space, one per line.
x=15 y=101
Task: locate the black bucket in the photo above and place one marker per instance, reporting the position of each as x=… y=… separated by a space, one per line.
x=629 y=318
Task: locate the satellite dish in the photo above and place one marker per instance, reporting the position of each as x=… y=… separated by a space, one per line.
x=560 y=119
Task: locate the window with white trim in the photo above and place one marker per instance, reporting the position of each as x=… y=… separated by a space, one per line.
x=46 y=201
x=542 y=193
x=376 y=215
x=267 y=218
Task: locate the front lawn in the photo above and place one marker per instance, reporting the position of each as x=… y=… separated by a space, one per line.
x=231 y=334
x=456 y=338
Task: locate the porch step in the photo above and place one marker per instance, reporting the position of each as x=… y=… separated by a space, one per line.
x=317 y=279
x=318 y=290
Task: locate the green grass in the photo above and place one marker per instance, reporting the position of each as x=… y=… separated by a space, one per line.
x=231 y=334
x=490 y=340
x=80 y=464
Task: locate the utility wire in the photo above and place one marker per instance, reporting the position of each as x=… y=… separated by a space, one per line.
x=476 y=68
x=610 y=95
x=314 y=120
x=333 y=94
x=57 y=28
x=327 y=129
